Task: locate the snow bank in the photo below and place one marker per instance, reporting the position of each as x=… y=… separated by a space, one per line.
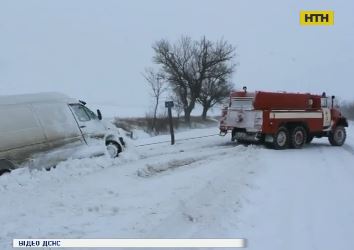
x=202 y=188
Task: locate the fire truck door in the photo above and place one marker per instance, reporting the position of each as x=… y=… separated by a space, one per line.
x=326 y=117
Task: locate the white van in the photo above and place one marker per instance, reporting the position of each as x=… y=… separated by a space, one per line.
x=39 y=130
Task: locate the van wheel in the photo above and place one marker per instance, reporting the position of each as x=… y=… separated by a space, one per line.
x=113 y=148
x=298 y=137
x=4 y=171
x=281 y=138
x=50 y=168
x=337 y=136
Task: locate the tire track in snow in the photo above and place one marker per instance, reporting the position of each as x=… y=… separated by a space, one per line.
x=212 y=209
x=348 y=148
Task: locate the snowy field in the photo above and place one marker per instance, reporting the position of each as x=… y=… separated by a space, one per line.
x=202 y=188
x=114 y=110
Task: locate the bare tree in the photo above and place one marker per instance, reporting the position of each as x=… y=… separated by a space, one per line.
x=213 y=91
x=187 y=64
x=177 y=107
x=158 y=87
x=347 y=108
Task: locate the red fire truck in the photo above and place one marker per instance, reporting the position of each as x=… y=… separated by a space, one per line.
x=282 y=119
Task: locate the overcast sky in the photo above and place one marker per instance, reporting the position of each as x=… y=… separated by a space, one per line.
x=96 y=50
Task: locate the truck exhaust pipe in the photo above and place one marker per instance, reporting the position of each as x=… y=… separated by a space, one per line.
x=333 y=97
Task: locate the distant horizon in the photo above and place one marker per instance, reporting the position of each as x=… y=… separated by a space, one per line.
x=97 y=50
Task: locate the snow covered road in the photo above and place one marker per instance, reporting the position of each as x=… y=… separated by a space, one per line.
x=202 y=188
x=303 y=201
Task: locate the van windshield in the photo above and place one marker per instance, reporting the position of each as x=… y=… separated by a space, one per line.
x=90 y=113
x=83 y=113
x=80 y=112
x=242 y=103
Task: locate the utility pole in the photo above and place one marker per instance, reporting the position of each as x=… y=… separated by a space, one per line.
x=169 y=105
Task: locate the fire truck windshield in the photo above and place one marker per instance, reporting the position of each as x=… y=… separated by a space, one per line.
x=325 y=102
x=242 y=103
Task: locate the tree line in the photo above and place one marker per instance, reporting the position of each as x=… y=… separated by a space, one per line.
x=348 y=109
x=191 y=71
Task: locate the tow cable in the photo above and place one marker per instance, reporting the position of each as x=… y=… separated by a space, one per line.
x=184 y=139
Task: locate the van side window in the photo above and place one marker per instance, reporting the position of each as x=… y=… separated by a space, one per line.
x=80 y=112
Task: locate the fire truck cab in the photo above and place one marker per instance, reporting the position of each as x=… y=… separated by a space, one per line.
x=282 y=119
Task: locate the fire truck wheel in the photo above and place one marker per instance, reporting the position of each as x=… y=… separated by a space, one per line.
x=337 y=136
x=281 y=138
x=298 y=137
x=4 y=171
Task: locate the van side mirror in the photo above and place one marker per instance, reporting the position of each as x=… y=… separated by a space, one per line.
x=99 y=114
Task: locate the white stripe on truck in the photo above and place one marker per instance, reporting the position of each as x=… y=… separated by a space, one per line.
x=292 y=115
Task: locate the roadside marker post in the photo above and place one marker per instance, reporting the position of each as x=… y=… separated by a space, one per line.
x=169 y=106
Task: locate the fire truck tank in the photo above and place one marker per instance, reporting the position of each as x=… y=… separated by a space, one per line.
x=286 y=101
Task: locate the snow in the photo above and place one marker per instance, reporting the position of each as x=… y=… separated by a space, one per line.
x=303 y=206
x=202 y=188
x=35 y=98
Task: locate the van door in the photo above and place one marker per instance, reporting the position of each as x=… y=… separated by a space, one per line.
x=21 y=134
x=61 y=131
x=57 y=122
x=90 y=125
